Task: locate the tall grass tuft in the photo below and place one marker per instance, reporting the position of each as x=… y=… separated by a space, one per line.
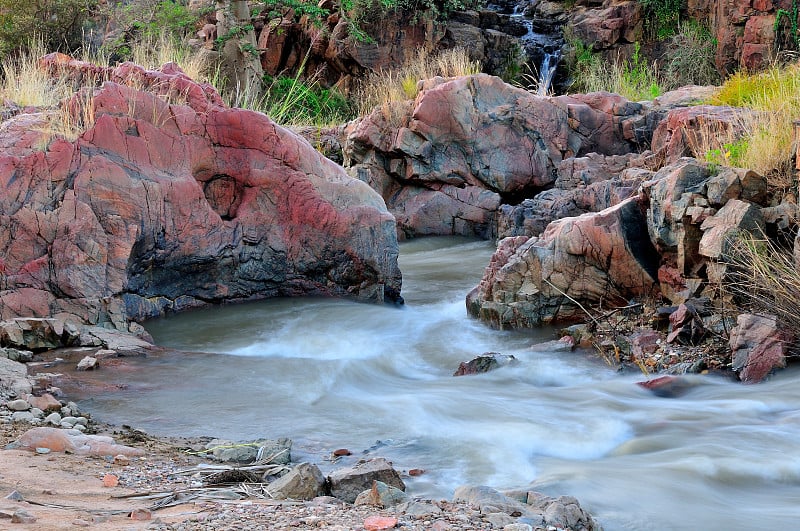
x=767 y=140
x=25 y=83
x=154 y=51
x=763 y=279
x=387 y=87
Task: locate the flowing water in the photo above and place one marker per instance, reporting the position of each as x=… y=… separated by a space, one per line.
x=332 y=374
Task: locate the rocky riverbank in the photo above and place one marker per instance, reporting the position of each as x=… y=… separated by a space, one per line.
x=63 y=470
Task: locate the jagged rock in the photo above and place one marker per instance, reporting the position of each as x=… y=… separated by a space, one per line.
x=489 y=500
x=530 y=281
x=736 y=216
x=163 y=206
x=758 y=347
x=489 y=361
x=303 y=482
x=88 y=363
x=381 y=495
x=612 y=23
x=347 y=483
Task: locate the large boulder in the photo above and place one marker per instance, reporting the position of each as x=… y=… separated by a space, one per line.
x=170 y=200
x=347 y=483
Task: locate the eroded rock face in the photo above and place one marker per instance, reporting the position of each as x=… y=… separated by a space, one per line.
x=170 y=200
x=758 y=346
x=446 y=162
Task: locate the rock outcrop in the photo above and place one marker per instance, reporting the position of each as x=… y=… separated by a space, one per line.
x=671 y=238
x=445 y=163
x=170 y=200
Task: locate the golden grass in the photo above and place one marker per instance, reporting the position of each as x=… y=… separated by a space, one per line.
x=24 y=83
x=386 y=87
x=766 y=146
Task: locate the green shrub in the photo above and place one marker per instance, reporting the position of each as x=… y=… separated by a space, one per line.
x=59 y=24
x=662 y=17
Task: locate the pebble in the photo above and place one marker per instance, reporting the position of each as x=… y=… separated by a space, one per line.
x=110 y=480
x=81 y=523
x=53 y=418
x=123 y=460
x=141 y=514
x=14 y=496
x=43 y=450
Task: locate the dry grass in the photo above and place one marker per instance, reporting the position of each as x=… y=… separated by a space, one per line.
x=387 y=87
x=763 y=279
x=25 y=83
x=766 y=145
x=154 y=52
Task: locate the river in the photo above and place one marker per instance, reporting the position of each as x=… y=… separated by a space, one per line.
x=378 y=380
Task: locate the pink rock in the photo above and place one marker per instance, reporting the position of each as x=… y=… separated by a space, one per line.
x=73 y=441
x=110 y=480
x=378 y=523
x=46 y=402
x=758 y=347
x=667 y=386
x=172 y=200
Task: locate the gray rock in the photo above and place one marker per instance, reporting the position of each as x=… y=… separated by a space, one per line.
x=36 y=412
x=518 y=526
x=22 y=516
x=419 y=508
x=499 y=520
x=489 y=500
x=23 y=416
x=18 y=405
x=381 y=495
x=88 y=363
x=43 y=450
x=69 y=422
x=53 y=418
x=347 y=483
x=303 y=482
x=16 y=355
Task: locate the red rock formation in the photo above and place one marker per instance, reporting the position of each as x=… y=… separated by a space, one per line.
x=170 y=200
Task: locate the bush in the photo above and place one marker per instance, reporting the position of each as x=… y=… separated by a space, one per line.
x=58 y=24
x=662 y=17
x=689 y=59
x=290 y=101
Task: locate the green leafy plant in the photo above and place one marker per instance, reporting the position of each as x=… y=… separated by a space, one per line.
x=789 y=35
x=662 y=17
x=58 y=24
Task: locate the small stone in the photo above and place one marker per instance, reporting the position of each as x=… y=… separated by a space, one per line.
x=518 y=527
x=69 y=422
x=23 y=416
x=53 y=418
x=22 y=516
x=14 y=496
x=79 y=427
x=121 y=460
x=88 y=363
x=19 y=405
x=342 y=452
x=416 y=472
x=36 y=412
x=81 y=523
x=378 y=523
x=43 y=450
x=141 y=514
x=110 y=480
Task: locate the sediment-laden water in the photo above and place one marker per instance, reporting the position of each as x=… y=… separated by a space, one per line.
x=332 y=374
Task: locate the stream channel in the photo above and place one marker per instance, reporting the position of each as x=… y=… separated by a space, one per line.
x=333 y=373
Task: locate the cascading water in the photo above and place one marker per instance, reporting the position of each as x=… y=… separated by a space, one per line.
x=541 y=39
x=333 y=373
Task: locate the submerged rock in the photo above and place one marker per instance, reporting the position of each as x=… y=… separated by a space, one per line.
x=489 y=361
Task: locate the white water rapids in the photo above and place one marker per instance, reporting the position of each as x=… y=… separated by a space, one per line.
x=332 y=374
